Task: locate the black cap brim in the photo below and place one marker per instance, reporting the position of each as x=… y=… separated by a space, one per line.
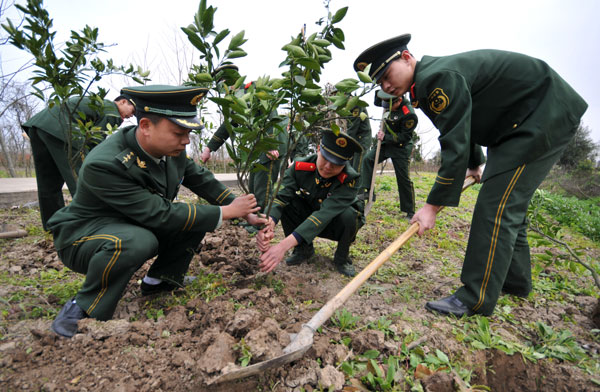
x=381 y=55
x=188 y=122
x=332 y=158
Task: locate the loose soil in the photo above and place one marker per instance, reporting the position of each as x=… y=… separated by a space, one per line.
x=195 y=338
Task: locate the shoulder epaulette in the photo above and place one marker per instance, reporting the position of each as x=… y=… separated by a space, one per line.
x=126 y=157
x=306 y=166
x=342 y=177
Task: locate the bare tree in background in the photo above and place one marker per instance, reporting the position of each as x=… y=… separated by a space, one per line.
x=17 y=106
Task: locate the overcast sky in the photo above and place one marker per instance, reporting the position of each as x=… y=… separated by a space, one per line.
x=564 y=34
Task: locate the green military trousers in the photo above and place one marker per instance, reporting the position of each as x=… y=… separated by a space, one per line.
x=342 y=228
x=110 y=256
x=497 y=256
x=52 y=170
x=261 y=186
x=400 y=159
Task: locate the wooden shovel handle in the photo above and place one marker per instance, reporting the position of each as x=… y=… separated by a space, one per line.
x=333 y=304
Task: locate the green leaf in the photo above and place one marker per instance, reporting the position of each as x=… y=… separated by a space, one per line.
x=310 y=63
x=322 y=43
x=352 y=103
x=335 y=128
x=365 y=78
x=295 y=50
x=195 y=40
x=347 y=85
x=221 y=101
x=339 y=15
x=203 y=77
x=219 y=37
x=370 y=354
x=442 y=357
x=300 y=80
x=235 y=54
x=237 y=40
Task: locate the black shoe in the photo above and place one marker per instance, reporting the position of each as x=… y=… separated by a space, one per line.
x=409 y=215
x=65 y=324
x=449 y=305
x=149 y=289
x=344 y=267
x=300 y=254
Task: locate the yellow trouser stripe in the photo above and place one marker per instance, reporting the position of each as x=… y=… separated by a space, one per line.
x=495 y=233
x=111 y=263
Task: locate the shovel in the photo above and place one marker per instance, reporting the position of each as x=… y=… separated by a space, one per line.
x=302 y=341
x=372 y=188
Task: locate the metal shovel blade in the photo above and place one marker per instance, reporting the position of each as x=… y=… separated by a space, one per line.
x=292 y=352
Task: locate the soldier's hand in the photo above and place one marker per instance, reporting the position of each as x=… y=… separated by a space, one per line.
x=475 y=173
x=264 y=237
x=205 y=156
x=275 y=253
x=256 y=220
x=380 y=135
x=272 y=257
x=425 y=217
x=273 y=154
x=241 y=206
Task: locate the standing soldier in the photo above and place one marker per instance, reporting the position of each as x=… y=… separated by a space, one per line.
x=124 y=212
x=317 y=198
x=523 y=112
x=48 y=132
x=397 y=144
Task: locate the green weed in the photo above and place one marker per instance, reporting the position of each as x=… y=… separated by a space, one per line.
x=344 y=320
x=245 y=354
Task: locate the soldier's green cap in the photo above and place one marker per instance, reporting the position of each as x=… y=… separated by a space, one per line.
x=381 y=55
x=340 y=148
x=177 y=103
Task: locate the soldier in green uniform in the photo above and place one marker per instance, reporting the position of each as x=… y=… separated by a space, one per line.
x=523 y=112
x=48 y=133
x=360 y=130
x=317 y=198
x=124 y=212
x=397 y=144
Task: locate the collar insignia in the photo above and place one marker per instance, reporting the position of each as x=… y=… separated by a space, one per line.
x=141 y=163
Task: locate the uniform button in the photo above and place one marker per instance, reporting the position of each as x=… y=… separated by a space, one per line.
x=514 y=126
x=320 y=200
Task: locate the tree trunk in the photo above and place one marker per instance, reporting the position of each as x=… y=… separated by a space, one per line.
x=9 y=163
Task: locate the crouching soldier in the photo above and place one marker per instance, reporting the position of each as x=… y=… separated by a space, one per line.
x=317 y=198
x=124 y=213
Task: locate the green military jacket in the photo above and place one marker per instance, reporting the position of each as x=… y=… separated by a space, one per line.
x=360 y=129
x=55 y=122
x=118 y=182
x=326 y=198
x=402 y=126
x=515 y=105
